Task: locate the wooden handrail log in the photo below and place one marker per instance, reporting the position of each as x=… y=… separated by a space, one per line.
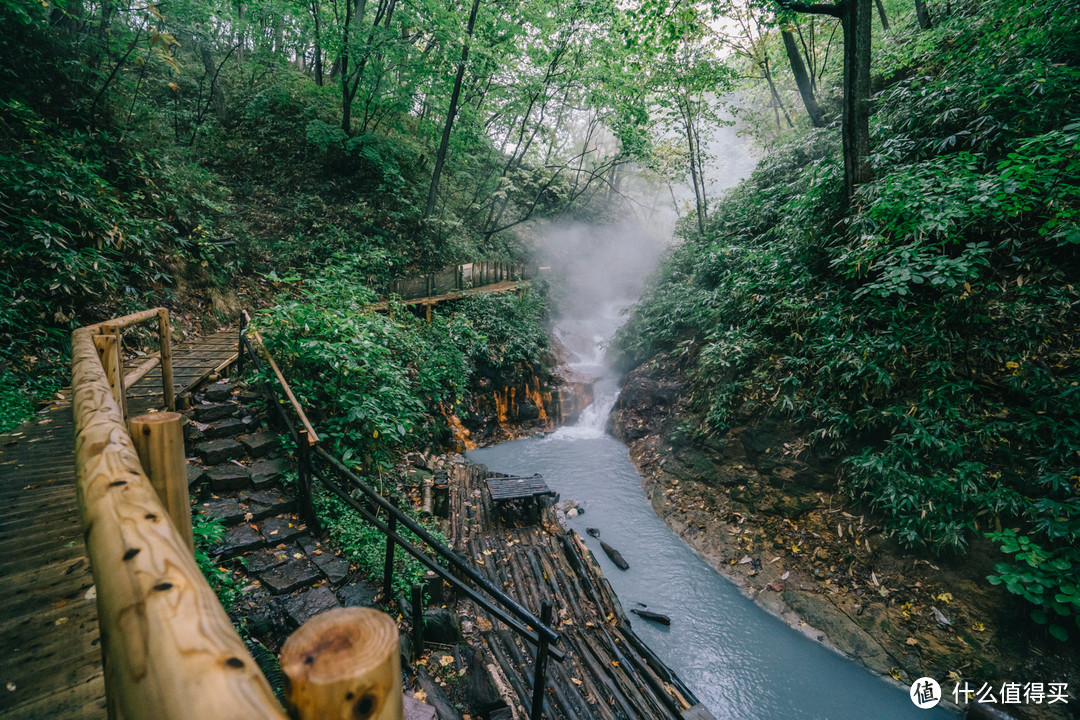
x=171 y=651
x=126 y=321
x=313 y=437
x=152 y=361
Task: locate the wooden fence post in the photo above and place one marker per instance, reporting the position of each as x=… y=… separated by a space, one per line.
x=165 y=337
x=344 y=663
x=108 y=348
x=540 y=674
x=159 y=440
x=388 y=563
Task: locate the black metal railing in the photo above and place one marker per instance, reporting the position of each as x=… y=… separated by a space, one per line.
x=315 y=462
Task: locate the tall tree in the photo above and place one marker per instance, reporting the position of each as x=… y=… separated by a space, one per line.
x=448 y=126
x=854 y=17
x=802 y=79
x=922 y=14
x=882 y=15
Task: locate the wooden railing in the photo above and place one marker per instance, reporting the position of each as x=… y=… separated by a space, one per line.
x=169 y=650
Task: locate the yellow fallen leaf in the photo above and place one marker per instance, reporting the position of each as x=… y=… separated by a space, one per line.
x=298 y=555
x=575 y=681
x=420 y=695
x=912 y=641
x=446 y=660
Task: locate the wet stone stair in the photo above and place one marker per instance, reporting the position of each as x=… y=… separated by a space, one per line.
x=237 y=474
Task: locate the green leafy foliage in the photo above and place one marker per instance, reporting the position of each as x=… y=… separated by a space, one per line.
x=378 y=384
x=209 y=533
x=926 y=335
x=1046 y=579
x=365 y=544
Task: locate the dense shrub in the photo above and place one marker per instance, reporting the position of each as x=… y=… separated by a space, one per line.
x=927 y=334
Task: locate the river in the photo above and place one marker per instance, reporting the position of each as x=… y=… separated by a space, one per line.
x=741 y=661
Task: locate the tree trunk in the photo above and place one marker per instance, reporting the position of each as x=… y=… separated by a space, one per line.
x=316 y=11
x=923 y=14
x=699 y=190
x=778 y=103
x=802 y=79
x=882 y=15
x=855 y=17
x=242 y=17
x=444 y=143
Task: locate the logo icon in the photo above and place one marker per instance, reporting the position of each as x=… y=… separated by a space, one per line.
x=925 y=693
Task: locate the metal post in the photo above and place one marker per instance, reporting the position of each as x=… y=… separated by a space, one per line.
x=303 y=451
x=418 y=619
x=240 y=350
x=388 y=566
x=540 y=676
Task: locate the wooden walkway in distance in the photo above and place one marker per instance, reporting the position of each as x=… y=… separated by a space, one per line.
x=493 y=289
x=50 y=656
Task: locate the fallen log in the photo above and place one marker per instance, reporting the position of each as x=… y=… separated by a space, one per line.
x=650 y=615
x=615 y=555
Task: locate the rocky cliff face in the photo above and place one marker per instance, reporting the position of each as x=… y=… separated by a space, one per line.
x=523 y=402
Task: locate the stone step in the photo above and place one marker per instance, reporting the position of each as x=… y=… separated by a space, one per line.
x=357 y=593
x=219 y=392
x=215 y=452
x=290 y=575
x=305 y=605
x=225 y=510
x=334 y=567
x=258 y=561
x=259 y=444
x=281 y=529
x=239 y=540
x=228 y=477
x=208 y=412
x=265 y=473
x=229 y=427
x=264 y=503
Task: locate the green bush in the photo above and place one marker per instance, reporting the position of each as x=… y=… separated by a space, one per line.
x=926 y=335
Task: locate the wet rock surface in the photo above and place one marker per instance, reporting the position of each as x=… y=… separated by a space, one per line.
x=214 y=452
x=285 y=575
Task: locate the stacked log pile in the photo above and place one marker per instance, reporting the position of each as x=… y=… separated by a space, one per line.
x=608 y=673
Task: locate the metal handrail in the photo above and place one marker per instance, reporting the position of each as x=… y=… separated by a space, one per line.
x=540 y=632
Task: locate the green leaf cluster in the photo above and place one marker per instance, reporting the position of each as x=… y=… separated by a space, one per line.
x=926 y=335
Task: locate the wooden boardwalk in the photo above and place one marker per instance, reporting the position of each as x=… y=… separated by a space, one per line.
x=50 y=657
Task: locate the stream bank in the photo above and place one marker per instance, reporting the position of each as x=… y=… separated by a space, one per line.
x=764 y=510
